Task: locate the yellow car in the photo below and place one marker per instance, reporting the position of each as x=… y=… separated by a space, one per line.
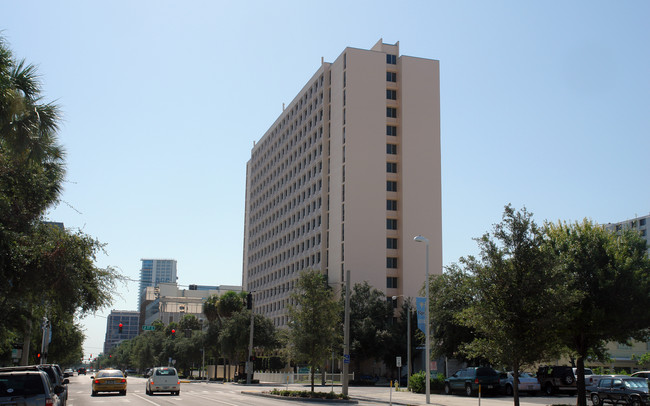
x=109 y=380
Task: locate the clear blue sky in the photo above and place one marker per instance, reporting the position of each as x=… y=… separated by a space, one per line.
x=544 y=104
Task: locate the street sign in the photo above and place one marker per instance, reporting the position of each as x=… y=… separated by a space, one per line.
x=398 y=362
x=150 y=328
x=346 y=358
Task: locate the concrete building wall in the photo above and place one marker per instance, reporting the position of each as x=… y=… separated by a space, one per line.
x=345 y=178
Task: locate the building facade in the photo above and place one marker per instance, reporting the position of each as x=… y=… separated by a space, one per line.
x=153 y=272
x=130 y=327
x=639 y=223
x=168 y=303
x=345 y=178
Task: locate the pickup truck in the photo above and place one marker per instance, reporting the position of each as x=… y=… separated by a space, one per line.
x=626 y=390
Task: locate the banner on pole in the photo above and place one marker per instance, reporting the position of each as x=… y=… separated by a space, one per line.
x=420 y=305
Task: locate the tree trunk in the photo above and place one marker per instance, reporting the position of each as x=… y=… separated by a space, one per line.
x=582 y=390
x=27 y=338
x=313 y=372
x=515 y=383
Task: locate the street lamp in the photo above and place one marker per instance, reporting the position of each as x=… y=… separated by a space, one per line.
x=419 y=238
x=408 y=340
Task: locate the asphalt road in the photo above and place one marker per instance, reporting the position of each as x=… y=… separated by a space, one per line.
x=200 y=393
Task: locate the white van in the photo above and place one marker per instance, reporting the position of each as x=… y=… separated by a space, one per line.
x=163 y=379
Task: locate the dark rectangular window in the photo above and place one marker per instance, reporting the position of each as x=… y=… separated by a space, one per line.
x=391 y=59
x=391 y=186
x=391 y=149
x=391 y=76
x=391 y=167
x=642 y=222
x=391 y=94
x=391 y=205
x=391 y=130
x=391 y=283
x=391 y=262
x=391 y=243
x=391 y=224
x=391 y=112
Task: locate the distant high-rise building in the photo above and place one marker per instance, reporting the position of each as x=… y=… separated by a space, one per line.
x=153 y=272
x=345 y=178
x=130 y=327
x=639 y=223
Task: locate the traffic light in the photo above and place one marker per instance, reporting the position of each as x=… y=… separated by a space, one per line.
x=173 y=333
x=119 y=327
x=38 y=356
x=249 y=301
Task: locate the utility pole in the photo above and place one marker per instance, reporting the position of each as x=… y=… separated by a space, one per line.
x=346 y=335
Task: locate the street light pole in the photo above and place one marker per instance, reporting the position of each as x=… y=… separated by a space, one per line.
x=427 y=385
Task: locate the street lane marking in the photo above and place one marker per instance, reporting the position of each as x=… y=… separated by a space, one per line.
x=146 y=400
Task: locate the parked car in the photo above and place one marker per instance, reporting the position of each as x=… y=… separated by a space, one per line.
x=641 y=374
x=469 y=380
x=527 y=382
x=108 y=380
x=68 y=372
x=54 y=373
x=628 y=390
x=554 y=379
x=163 y=379
x=28 y=388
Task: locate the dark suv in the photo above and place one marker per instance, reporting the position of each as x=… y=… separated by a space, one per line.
x=628 y=390
x=53 y=372
x=470 y=379
x=554 y=379
x=28 y=388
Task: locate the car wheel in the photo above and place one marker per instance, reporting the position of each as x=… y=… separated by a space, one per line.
x=509 y=390
x=468 y=390
x=447 y=389
x=123 y=393
x=634 y=402
x=177 y=393
x=548 y=388
x=595 y=399
x=568 y=379
x=93 y=393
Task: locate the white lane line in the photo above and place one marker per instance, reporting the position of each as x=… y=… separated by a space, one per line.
x=215 y=400
x=146 y=400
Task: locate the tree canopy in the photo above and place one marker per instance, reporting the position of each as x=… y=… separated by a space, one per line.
x=49 y=272
x=314 y=319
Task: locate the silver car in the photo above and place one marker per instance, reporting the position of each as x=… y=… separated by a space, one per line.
x=29 y=388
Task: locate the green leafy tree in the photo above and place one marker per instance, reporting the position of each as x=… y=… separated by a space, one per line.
x=518 y=295
x=235 y=335
x=47 y=272
x=610 y=277
x=314 y=319
x=451 y=294
x=370 y=316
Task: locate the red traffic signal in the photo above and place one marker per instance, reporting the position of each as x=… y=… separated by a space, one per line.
x=38 y=355
x=173 y=333
x=120 y=327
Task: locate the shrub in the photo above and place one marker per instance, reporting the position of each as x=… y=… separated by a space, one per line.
x=308 y=394
x=416 y=382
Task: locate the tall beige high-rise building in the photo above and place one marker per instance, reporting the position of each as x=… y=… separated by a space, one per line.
x=345 y=178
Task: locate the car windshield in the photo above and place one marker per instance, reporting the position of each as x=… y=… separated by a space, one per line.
x=525 y=375
x=165 y=372
x=636 y=383
x=110 y=374
x=21 y=385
